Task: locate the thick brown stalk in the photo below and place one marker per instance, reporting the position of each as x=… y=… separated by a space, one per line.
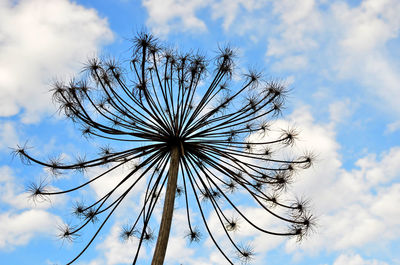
x=169 y=200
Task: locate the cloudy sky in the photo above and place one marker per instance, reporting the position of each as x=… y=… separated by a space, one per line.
x=341 y=60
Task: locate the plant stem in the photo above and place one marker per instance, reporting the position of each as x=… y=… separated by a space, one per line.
x=169 y=200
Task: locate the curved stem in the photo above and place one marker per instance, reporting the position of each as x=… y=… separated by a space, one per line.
x=165 y=226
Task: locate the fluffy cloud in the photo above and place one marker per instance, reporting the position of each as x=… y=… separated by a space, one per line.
x=356 y=260
x=362 y=46
x=8 y=135
x=181 y=15
x=392 y=127
x=351 y=40
x=295 y=32
x=338 y=40
x=24 y=221
x=356 y=207
x=228 y=10
x=41 y=40
x=12 y=193
x=340 y=111
x=18 y=228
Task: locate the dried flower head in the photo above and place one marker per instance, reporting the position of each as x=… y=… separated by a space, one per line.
x=167 y=110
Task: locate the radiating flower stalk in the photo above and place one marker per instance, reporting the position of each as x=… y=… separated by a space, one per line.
x=184 y=125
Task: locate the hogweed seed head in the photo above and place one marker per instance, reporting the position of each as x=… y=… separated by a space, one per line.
x=168 y=101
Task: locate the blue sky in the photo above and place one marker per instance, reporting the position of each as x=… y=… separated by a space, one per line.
x=340 y=59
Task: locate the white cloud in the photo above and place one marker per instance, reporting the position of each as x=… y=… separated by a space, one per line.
x=181 y=15
x=341 y=110
x=392 y=127
x=298 y=23
x=228 y=10
x=368 y=26
x=339 y=41
x=25 y=219
x=93 y=262
x=343 y=42
x=41 y=40
x=18 y=228
x=353 y=259
x=355 y=207
x=361 y=47
x=13 y=193
x=295 y=62
x=8 y=135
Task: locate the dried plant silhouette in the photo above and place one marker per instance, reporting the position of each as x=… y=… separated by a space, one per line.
x=180 y=123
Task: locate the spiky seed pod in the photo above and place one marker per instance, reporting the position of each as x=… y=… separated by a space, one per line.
x=67 y=233
x=245 y=254
x=194 y=235
x=79 y=209
x=232 y=224
x=179 y=191
x=127 y=233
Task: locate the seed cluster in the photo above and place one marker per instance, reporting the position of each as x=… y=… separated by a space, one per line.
x=171 y=100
